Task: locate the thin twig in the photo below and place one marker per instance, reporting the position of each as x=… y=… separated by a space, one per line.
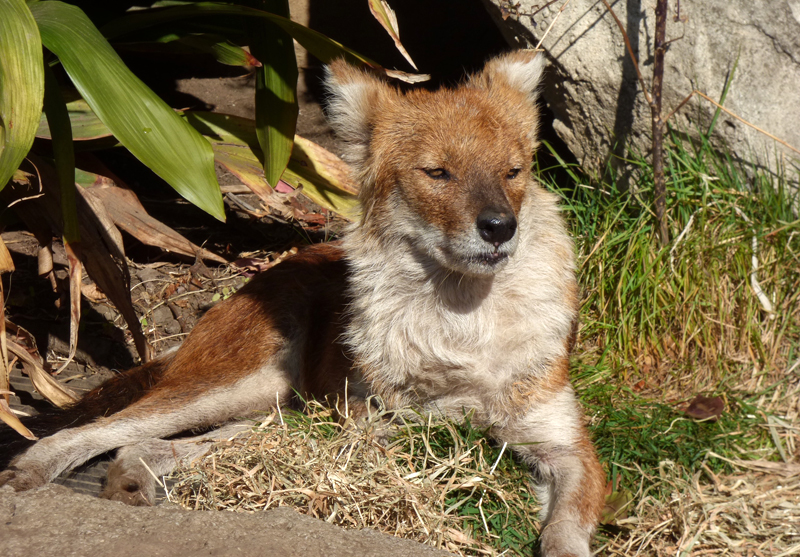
x=561 y=9
x=732 y=115
x=630 y=53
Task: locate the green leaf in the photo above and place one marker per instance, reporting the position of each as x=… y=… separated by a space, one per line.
x=616 y=507
x=316 y=43
x=141 y=121
x=276 y=89
x=21 y=84
x=324 y=178
x=84 y=122
x=224 y=51
x=58 y=119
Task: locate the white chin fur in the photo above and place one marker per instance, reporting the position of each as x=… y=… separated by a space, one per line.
x=473 y=256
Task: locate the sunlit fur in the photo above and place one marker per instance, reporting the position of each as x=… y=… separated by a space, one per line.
x=422 y=304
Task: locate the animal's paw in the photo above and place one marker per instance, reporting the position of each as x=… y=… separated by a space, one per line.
x=132 y=487
x=22 y=480
x=565 y=539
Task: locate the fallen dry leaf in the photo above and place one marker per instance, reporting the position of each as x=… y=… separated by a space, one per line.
x=47 y=386
x=407 y=77
x=6 y=266
x=75 y=275
x=92 y=293
x=705 y=408
x=616 y=507
x=252 y=265
x=6 y=263
x=7 y=416
x=128 y=214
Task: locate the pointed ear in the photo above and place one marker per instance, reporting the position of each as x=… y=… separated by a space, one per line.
x=354 y=98
x=521 y=70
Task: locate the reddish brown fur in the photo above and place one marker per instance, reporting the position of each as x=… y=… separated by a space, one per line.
x=420 y=305
x=311 y=287
x=489 y=139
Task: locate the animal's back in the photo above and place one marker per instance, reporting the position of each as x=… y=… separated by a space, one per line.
x=285 y=321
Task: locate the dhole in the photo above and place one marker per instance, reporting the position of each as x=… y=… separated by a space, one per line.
x=455 y=293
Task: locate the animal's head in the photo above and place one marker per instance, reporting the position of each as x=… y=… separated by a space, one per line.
x=446 y=170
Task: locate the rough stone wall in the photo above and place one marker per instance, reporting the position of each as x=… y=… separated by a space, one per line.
x=598 y=104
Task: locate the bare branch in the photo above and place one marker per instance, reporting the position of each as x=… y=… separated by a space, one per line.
x=630 y=53
x=659 y=181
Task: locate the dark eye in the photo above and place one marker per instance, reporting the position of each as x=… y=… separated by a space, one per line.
x=437 y=173
x=513 y=173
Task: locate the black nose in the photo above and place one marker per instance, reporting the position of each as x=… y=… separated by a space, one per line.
x=496 y=226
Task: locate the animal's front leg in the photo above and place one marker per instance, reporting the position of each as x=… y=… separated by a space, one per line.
x=568 y=478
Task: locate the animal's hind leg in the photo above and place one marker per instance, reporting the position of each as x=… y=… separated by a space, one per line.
x=132 y=475
x=162 y=413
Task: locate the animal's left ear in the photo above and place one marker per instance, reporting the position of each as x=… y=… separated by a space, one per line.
x=513 y=79
x=355 y=97
x=520 y=70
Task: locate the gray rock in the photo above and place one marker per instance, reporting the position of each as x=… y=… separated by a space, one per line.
x=53 y=520
x=152 y=279
x=162 y=314
x=598 y=104
x=172 y=327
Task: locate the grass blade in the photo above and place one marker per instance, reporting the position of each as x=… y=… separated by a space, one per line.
x=21 y=84
x=141 y=121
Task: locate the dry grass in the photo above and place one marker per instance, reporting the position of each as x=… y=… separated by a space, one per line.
x=752 y=511
x=745 y=513
x=432 y=483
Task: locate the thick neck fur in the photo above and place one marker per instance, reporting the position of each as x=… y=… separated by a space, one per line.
x=420 y=332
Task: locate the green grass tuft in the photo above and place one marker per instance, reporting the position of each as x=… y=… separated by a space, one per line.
x=687 y=316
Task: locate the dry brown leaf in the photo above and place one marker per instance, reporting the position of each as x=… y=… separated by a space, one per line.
x=101 y=251
x=92 y=293
x=24 y=338
x=388 y=19
x=407 y=77
x=127 y=213
x=75 y=274
x=45 y=259
x=705 y=408
x=6 y=263
x=48 y=387
x=12 y=420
